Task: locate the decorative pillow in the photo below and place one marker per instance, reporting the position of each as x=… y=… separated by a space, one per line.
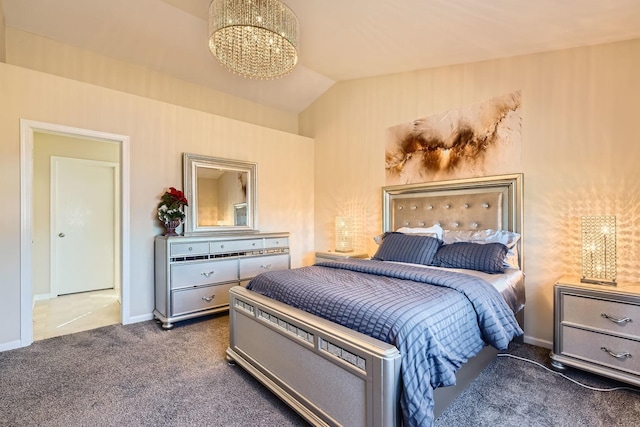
x=507 y=238
x=487 y=257
x=407 y=248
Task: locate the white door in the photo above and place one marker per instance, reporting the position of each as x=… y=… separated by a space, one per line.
x=83 y=225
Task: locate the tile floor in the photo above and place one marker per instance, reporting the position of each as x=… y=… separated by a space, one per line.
x=67 y=314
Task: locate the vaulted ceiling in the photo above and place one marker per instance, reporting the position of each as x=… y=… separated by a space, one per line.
x=340 y=39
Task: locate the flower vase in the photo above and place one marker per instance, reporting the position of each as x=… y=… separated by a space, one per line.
x=170 y=227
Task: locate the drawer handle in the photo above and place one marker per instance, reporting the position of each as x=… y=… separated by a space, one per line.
x=208 y=299
x=266 y=266
x=205 y=274
x=624 y=355
x=618 y=321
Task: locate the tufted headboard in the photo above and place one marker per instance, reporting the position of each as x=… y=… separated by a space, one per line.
x=464 y=204
x=453 y=212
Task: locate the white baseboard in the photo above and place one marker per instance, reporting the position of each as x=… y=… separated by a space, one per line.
x=42 y=297
x=11 y=345
x=538 y=342
x=141 y=318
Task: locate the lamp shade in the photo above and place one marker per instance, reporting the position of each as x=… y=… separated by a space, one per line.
x=598 y=249
x=345 y=231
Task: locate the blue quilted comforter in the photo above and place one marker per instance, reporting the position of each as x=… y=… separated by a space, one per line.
x=437 y=319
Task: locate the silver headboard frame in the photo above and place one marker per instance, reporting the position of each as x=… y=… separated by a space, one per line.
x=494 y=202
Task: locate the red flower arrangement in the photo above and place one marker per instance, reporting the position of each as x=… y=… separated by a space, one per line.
x=170 y=207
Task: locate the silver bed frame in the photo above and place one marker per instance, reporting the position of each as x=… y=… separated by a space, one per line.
x=334 y=376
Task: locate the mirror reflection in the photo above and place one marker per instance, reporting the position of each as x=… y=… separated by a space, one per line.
x=219 y=193
x=222 y=193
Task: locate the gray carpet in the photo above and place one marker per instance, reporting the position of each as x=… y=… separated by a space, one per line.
x=135 y=375
x=515 y=393
x=140 y=375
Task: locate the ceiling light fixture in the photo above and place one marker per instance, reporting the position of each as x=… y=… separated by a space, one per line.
x=257 y=39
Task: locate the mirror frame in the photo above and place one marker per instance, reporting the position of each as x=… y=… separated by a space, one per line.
x=190 y=163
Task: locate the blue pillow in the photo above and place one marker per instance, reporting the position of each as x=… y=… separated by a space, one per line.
x=407 y=248
x=487 y=257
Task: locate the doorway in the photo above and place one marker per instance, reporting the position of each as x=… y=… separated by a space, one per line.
x=84 y=150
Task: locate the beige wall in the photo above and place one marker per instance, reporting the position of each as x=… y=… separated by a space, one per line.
x=159 y=134
x=580 y=149
x=2 y=35
x=44 y=147
x=42 y=54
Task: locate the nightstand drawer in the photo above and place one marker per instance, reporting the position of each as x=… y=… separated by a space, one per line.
x=588 y=312
x=202 y=298
x=203 y=273
x=588 y=346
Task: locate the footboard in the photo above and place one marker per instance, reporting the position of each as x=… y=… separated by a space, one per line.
x=331 y=375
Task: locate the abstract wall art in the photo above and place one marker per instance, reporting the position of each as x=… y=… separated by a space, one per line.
x=476 y=140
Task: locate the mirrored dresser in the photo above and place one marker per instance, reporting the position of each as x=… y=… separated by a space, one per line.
x=193 y=275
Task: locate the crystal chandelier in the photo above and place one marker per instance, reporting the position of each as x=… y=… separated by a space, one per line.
x=257 y=39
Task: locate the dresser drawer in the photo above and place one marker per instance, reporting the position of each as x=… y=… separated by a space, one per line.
x=587 y=345
x=250 y=267
x=202 y=298
x=230 y=246
x=203 y=273
x=588 y=312
x=276 y=242
x=187 y=249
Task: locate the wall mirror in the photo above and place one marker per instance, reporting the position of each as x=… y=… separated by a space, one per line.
x=221 y=195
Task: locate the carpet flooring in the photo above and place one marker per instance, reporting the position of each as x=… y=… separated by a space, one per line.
x=141 y=375
x=515 y=393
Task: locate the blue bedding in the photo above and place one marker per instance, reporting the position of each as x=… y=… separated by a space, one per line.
x=437 y=319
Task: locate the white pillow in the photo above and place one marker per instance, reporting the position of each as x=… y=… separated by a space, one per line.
x=507 y=238
x=433 y=231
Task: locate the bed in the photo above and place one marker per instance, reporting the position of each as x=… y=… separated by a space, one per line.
x=334 y=375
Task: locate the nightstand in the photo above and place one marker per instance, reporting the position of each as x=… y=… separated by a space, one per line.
x=333 y=256
x=597 y=328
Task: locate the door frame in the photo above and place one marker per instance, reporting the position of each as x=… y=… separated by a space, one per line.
x=27 y=130
x=55 y=163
